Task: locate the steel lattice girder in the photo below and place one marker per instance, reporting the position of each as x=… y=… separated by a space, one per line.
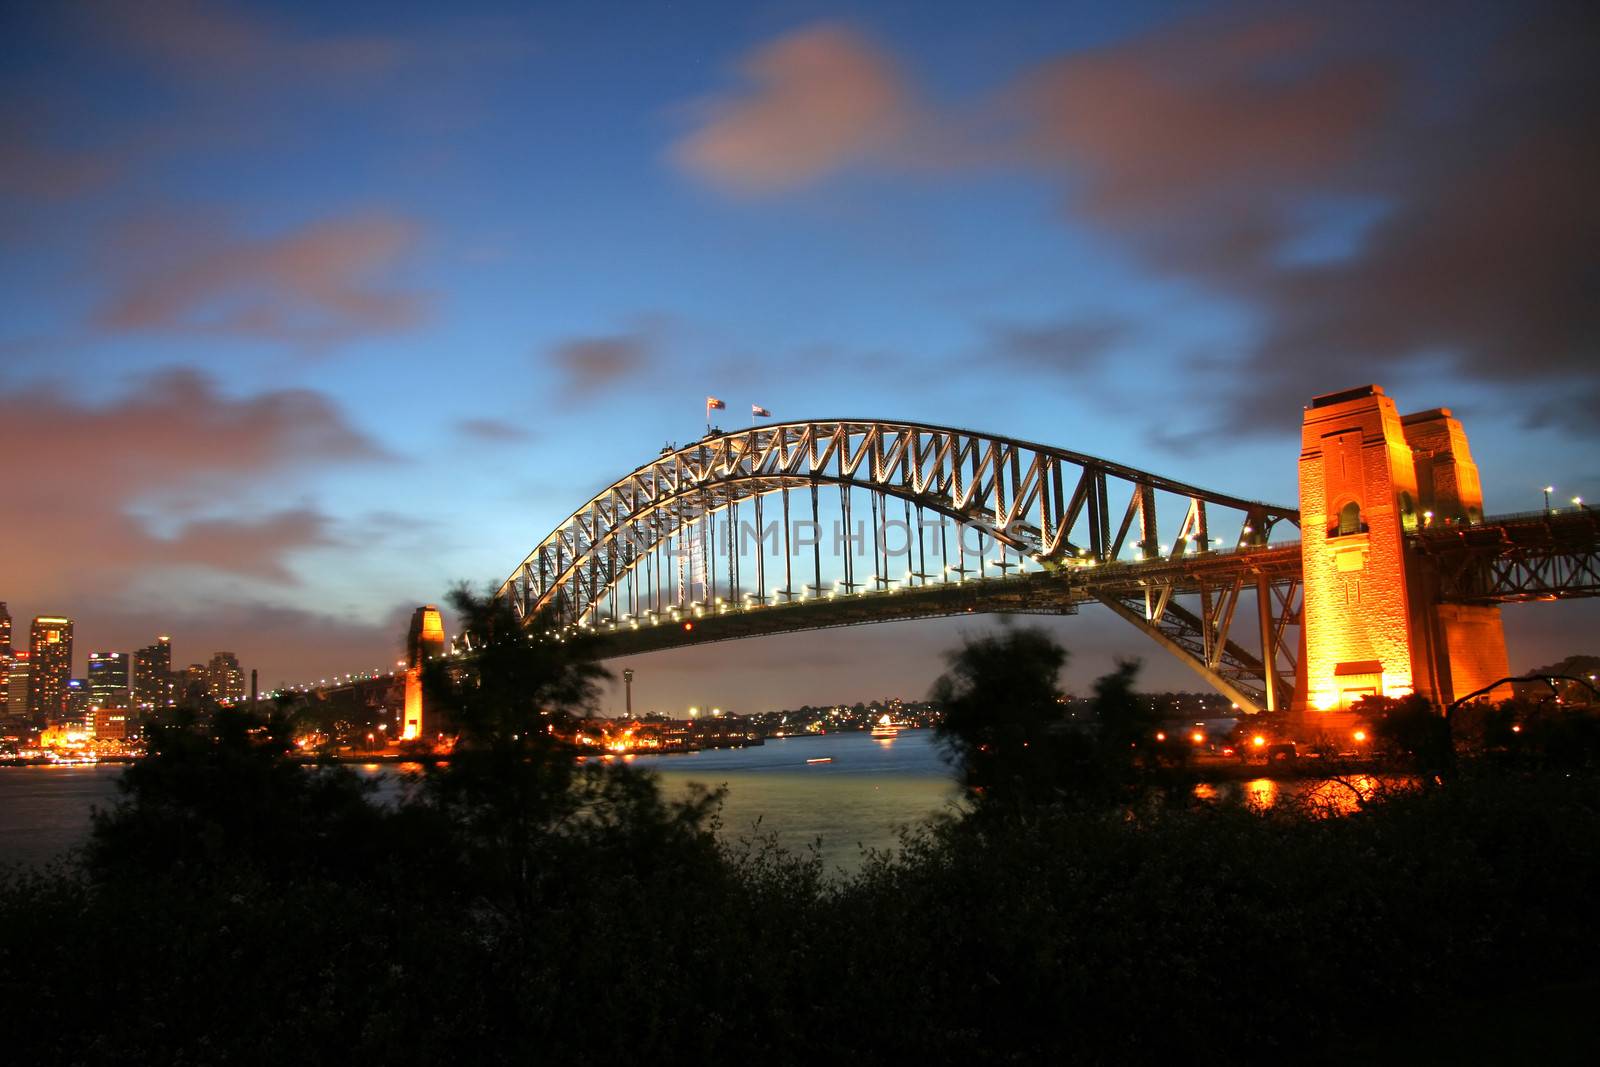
x=1515 y=559
x=1054 y=506
x=1017 y=489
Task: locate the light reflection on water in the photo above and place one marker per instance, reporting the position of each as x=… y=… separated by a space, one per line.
x=1327 y=797
x=859 y=798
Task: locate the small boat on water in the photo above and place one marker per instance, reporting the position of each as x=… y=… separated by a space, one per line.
x=885 y=728
x=820 y=759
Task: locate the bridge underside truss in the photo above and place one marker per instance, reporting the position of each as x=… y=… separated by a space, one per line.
x=666 y=544
x=1517 y=559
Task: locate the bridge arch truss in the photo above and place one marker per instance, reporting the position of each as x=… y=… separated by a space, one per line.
x=669 y=543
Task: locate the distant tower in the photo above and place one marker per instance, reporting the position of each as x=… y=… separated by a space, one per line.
x=17 y=689
x=152 y=675
x=5 y=654
x=627 y=688
x=424 y=641
x=225 y=678
x=50 y=653
x=1369 y=479
x=108 y=679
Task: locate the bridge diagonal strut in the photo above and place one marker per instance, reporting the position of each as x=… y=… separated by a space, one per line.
x=646 y=551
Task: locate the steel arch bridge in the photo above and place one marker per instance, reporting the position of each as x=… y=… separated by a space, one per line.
x=661 y=557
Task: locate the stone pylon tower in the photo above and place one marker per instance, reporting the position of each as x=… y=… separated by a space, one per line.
x=1369 y=481
x=424 y=641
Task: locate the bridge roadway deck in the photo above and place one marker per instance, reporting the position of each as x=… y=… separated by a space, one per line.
x=1056 y=592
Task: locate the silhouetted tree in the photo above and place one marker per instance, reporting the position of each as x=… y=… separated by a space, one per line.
x=1127 y=726
x=528 y=811
x=1003 y=718
x=1411 y=729
x=221 y=793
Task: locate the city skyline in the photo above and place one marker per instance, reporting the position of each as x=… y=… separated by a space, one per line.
x=332 y=312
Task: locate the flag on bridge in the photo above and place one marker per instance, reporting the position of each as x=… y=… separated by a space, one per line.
x=759 y=412
x=712 y=404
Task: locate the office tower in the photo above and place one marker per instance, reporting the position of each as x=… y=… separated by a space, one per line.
x=152 y=675
x=80 y=705
x=5 y=655
x=17 y=691
x=226 y=680
x=50 y=653
x=192 y=685
x=108 y=679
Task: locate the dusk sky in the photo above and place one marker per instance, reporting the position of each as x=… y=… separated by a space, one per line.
x=310 y=310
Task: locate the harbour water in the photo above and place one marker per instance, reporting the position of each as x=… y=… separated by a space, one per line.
x=857 y=799
x=842 y=794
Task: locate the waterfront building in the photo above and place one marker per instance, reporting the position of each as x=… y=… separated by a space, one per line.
x=50 y=655
x=108 y=680
x=5 y=655
x=225 y=679
x=79 y=705
x=111 y=724
x=17 y=688
x=152 y=676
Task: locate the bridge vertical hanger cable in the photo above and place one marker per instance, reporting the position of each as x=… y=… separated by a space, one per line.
x=761 y=553
x=788 y=580
x=848 y=544
x=993 y=484
x=875 y=499
x=816 y=542
x=708 y=552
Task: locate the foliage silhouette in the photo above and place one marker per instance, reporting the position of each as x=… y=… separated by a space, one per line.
x=529 y=814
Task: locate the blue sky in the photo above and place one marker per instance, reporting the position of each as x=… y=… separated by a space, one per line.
x=436 y=275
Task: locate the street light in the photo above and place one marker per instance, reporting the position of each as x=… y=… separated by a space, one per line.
x=1577 y=501
x=1547 y=491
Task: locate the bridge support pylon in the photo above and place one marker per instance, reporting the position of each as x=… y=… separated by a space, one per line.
x=424 y=641
x=1370 y=479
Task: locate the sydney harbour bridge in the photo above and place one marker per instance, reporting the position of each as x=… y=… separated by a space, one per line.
x=1387 y=578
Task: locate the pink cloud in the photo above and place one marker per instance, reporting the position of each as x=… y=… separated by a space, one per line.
x=818 y=100
x=1208 y=108
x=320 y=284
x=72 y=525
x=218 y=40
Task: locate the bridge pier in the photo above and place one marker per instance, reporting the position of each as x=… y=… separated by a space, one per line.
x=424 y=641
x=1370 y=482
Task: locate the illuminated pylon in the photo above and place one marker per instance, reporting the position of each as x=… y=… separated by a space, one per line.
x=425 y=641
x=1370 y=481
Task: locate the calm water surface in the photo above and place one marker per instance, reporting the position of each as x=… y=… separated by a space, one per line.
x=844 y=793
x=857 y=800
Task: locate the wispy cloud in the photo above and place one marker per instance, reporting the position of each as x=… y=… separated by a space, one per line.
x=313 y=286
x=1299 y=161
x=492 y=431
x=818 y=100
x=75 y=524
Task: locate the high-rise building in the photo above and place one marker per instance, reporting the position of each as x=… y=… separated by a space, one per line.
x=5 y=655
x=79 y=713
x=226 y=679
x=108 y=680
x=192 y=685
x=152 y=676
x=50 y=653
x=17 y=690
